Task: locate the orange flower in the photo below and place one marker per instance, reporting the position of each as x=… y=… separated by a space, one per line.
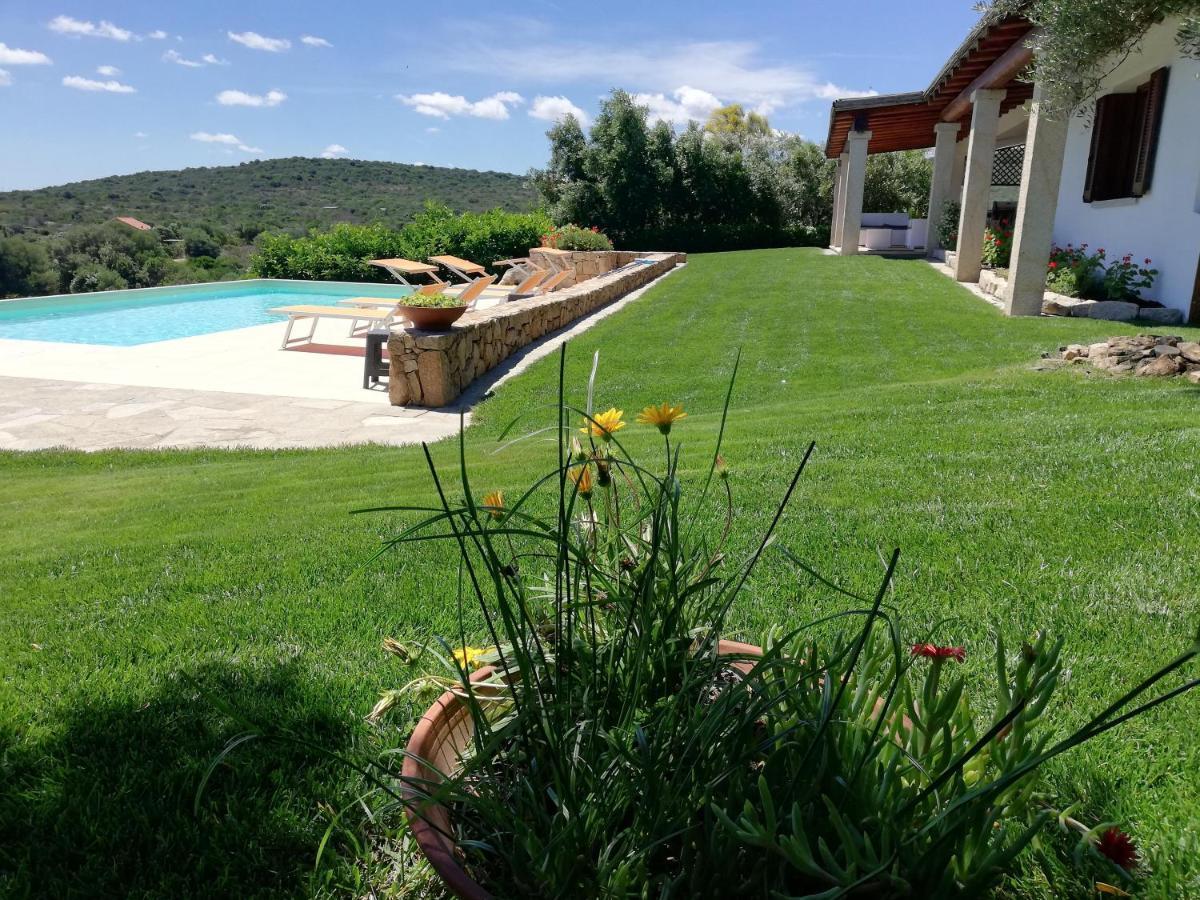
x=582 y=477
x=493 y=503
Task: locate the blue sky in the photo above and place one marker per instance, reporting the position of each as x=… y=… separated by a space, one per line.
x=94 y=89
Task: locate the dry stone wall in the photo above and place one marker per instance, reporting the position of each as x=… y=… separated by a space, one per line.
x=432 y=368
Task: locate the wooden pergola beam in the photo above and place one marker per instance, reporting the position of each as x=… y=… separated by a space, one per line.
x=1011 y=63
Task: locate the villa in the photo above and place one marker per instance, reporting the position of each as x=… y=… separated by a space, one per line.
x=1122 y=173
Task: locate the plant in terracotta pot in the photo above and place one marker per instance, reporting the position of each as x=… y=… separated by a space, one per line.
x=603 y=738
x=432 y=312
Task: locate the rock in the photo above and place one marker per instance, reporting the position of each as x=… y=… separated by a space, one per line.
x=1190 y=350
x=1193 y=376
x=1071 y=353
x=1099 y=349
x=1113 y=310
x=1060 y=305
x=1166 y=350
x=1160 y=315
x=1159 y=366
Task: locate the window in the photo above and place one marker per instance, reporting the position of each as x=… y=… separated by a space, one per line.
x=1124 y=140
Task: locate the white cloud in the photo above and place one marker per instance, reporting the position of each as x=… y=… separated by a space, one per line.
x=178 y=58
x=87 y=84
x=79 y=28
x=12 y=56
x=140 y=134
x=228 y=140
x=734 y=70
x=432 y=129
x=241 y=98
x=208 y=59
x=333 y=151
x=443 y=106
x=314 y=41
x=158 y=35
x=5 y=79
x=256 y=41
x=555 y=109
x=684 y=105
x=108 y=71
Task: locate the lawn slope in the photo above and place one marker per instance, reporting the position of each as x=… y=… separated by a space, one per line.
x=151 y=602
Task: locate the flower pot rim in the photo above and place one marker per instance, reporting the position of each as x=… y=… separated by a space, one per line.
x=430 y=822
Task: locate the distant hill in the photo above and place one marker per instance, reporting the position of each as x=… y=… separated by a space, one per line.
x=279 y=193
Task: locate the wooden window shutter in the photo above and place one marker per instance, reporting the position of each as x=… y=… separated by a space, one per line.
x=1110 y=162
x=1152 y=96
x=1089 y=180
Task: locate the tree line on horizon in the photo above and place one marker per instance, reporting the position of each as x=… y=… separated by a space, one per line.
x=730 y=183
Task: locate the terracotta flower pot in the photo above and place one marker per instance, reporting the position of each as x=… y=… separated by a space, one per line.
x=432 y=318
x=441 y=735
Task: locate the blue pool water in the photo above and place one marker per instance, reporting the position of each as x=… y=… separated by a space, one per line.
x=127 y=318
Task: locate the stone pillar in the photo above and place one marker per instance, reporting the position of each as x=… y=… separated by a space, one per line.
x=940 y=186
x=839 y=201
x=960 y=173
x=981 y=150
x=1037 y=204
x=856 y=182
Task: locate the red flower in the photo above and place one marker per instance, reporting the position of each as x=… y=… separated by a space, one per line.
x=1118 y=847
x=932 y=651
x=1147 y=261
x=1053 y=265
x=1100 y=251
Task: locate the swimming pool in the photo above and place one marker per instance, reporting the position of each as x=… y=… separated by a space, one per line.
x=142 y=316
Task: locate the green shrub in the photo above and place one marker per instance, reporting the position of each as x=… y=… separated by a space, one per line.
x=572 y=237
x=431 y=301
x=717 y=238
x=997 y=246
x=947 y=226
x=343 y=252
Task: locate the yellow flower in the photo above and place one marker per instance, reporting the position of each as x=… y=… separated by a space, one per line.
x=662 y=417
x=493 y=502
x=468 y=657
x=582 y=476
x=602 y=425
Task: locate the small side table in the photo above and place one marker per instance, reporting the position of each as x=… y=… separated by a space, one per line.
x=376 y=364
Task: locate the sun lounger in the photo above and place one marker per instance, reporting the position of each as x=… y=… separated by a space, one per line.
x=465 y=269
x=360 y=319
x=403 y=269
x=550 y=285
x=470 y=295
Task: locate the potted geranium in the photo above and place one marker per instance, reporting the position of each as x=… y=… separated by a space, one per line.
x=432 y=312
x=603 y=739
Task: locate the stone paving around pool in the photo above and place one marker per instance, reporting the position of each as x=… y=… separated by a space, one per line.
x=230 y=389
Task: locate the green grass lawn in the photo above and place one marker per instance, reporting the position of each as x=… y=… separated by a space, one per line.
x=151 y=601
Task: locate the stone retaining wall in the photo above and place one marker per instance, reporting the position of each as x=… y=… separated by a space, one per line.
x=586 y=263
x=432 y=368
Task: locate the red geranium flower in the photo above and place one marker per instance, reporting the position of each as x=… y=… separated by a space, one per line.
x=1117 y=846
x=1053 y=265
x=933 y=651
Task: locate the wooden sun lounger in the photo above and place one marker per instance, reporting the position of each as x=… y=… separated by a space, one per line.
x=550 y=285
x=370 y=318
x=463 y=268
x=402 y=269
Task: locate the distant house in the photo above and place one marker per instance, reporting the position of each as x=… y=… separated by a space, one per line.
x=133 y=223
x=1123 y=175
